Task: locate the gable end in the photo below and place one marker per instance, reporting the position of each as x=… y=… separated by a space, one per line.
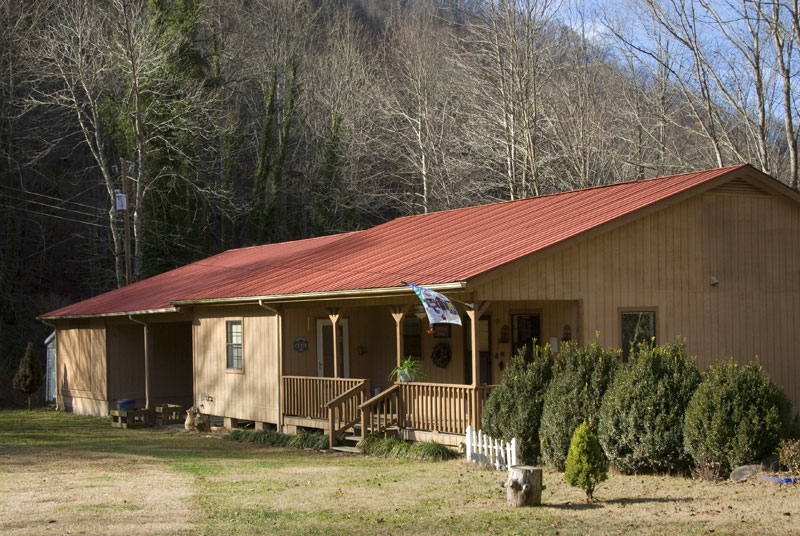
x=740 y=187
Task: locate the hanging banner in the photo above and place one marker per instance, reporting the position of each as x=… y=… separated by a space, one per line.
x=438 y=307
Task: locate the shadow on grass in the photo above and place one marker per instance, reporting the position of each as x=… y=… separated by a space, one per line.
x=574 y=506
x=623 y=501
x=643 y=500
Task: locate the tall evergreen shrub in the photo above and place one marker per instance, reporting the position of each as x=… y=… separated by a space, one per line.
x=641 y=418
x=581 y=376
x=585 y=467
x=738 y=415
x=514 y=408
x=29 y=376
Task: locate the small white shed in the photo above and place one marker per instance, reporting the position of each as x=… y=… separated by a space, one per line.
x=50 y=374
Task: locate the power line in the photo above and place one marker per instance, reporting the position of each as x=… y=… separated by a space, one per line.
x=28 y=192
x=52 y=206
x=53 y=216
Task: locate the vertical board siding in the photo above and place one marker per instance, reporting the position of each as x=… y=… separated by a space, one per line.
x=252 y=394
x=81 y=373
x=666 y=260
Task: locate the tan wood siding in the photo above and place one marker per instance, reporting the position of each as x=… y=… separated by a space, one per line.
x=666 y=260
x=82 y=381
x=252 y=394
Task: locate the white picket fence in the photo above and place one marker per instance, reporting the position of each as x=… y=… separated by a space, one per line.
x=483 y=449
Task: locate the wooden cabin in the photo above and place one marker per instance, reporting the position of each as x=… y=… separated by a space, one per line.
x=305 y=333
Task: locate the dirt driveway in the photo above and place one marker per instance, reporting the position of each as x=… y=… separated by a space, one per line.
x=75 y=492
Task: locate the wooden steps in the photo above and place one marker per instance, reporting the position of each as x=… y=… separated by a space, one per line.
x=350 y=450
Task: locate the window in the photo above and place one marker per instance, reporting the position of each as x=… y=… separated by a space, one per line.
x=233 y=339
x=637 y=327
x=525 y=330
x=412 y=337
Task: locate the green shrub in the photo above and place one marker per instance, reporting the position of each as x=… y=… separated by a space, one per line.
x=272 y=438
x=29 y=376
x=738 y=415
x=641 y=418
x=585 y=465
x=431 y=451
x=309 y=440
x=789 y=455
x=581 y=376
x=514 y=408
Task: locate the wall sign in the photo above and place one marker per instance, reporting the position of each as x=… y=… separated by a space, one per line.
x=300 y=344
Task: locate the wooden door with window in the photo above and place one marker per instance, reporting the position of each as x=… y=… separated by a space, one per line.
x=325 y=348
x=525 y=329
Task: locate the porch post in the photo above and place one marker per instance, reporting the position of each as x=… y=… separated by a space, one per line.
x=398 y=312
x=146 y=361
x=474 y=315
x=334 y=315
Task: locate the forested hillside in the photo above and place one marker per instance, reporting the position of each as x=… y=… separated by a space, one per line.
x=238 y=122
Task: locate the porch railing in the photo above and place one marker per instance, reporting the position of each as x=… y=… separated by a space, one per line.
x=343 y=411
x=483 y=395
x=435 y=407
x=308 y=396
x=438 y=407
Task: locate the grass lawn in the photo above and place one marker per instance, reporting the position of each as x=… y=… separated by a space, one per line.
x=64 y=474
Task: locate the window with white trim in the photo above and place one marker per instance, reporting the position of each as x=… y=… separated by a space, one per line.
x=233 y=340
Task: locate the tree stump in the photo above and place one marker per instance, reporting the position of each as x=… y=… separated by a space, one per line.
x=524 y=486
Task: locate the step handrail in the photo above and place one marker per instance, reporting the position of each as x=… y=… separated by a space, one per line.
x=379 y=396
x=347 y=394
x=340 y=405
x=387 y=409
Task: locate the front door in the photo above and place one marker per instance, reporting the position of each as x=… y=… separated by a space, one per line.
x=526 y=329
x=325 y=348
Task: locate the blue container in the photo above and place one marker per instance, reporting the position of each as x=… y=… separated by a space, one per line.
x=126 y=404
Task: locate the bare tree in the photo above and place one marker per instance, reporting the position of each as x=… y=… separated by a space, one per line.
x=419 y=106
x=783 y=20
x=507 y=49
x=111 y=70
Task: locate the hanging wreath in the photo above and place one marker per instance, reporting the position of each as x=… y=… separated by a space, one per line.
x=441 y=354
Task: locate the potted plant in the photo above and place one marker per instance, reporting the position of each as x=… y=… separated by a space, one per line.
x=408 y=371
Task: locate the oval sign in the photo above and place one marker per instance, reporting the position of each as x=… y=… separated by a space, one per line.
x=300 y=344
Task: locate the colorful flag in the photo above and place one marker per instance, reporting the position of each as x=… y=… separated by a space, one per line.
x=439 y=308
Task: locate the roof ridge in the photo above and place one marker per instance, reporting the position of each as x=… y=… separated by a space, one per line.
x=721 y=170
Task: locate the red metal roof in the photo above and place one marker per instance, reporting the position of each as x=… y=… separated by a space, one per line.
x=441 y=247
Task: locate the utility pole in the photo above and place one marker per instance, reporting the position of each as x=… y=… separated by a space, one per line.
x=126 y=223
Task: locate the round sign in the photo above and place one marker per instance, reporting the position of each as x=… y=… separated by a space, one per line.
x=300 y=344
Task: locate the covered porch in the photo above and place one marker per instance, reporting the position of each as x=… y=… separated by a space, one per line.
x=336 y=361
